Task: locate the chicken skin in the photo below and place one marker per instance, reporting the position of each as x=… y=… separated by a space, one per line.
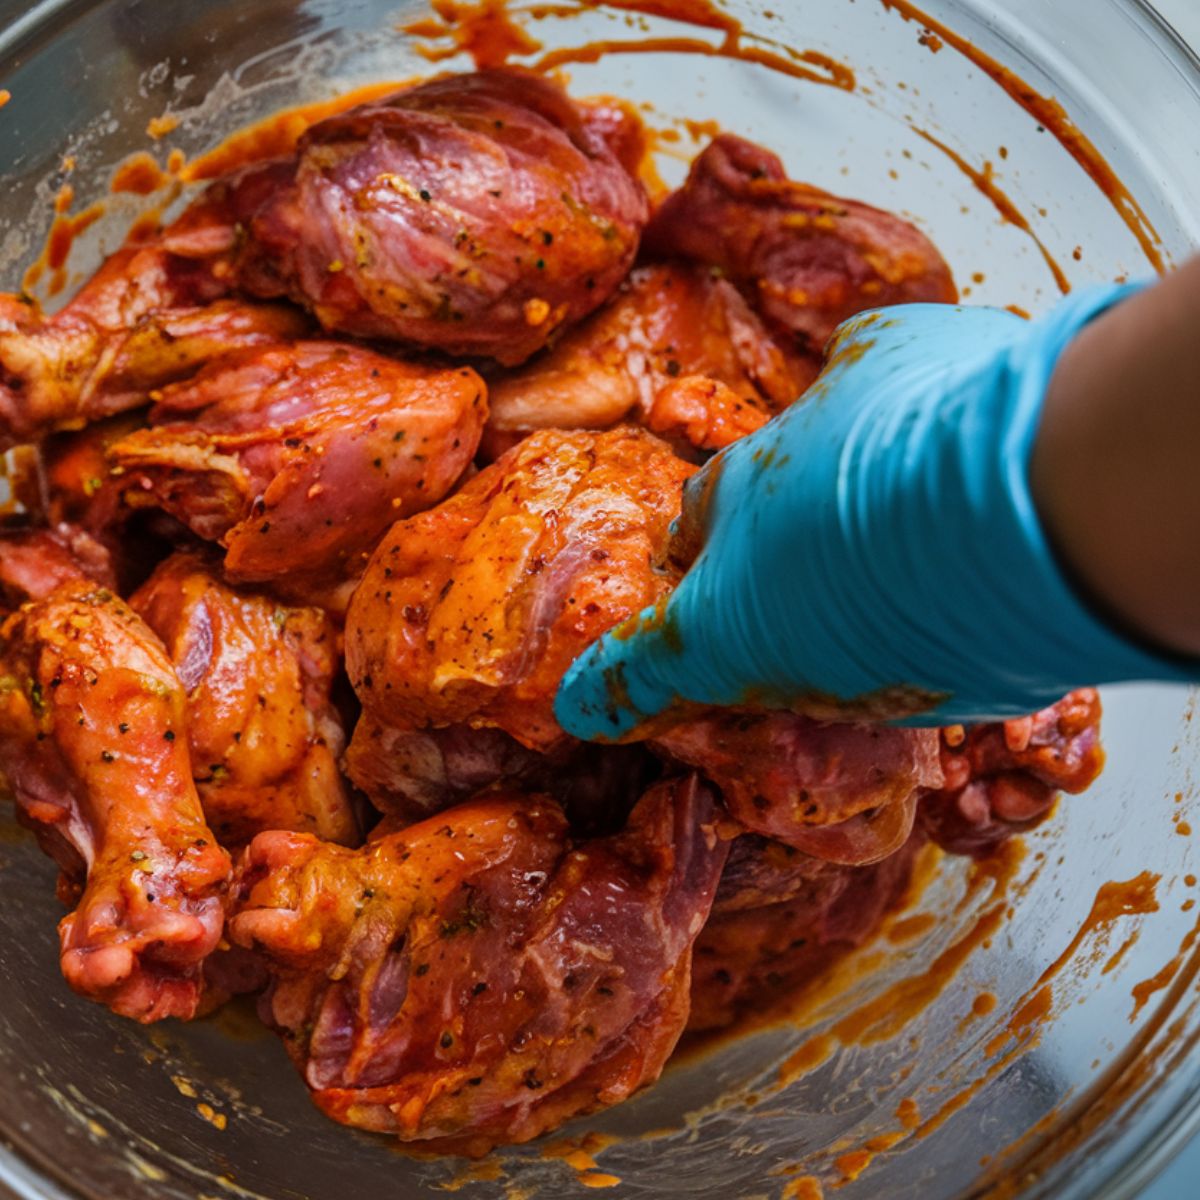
x=1003 y=778
x=93 y=741
x=840 y=792
x=472 y=611
x=153 y=313
x=474 y=214
x=668 y=321
x=263 y=733
x=478 y=978
x=806 y=260
x=296 y=458
x=699 y=413
x=34 y=562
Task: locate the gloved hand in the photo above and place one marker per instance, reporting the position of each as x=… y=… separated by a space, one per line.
x=874 y=552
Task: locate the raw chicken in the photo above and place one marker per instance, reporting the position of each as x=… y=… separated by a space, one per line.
x=81 y=489
x=412 y=774
x=666 y=322
x=153 y=313
x=806 y=260
x=297 y=458
x=845 y=793
x=751 y=957
x=618 y=125
x=477 y=979
x=34 y=562
x=703 y=414
x=474 y=214
x=93 y=742
x=1003 y=778
x=472 y=611
x=263 y=733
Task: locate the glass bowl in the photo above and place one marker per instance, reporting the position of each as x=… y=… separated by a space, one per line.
x=981 y=1080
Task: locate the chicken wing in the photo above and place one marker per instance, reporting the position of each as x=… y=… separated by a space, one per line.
x=667 y=321
x=841 y=792
x=297 y=458
x=93 y=744
x=153 y=313
x=471 y=612
x=807 y=260
x=263 y=733
x=1003 y=778
x=477 y=979
x=475 y=214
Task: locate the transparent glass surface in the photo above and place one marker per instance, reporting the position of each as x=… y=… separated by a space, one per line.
x=91 y=1106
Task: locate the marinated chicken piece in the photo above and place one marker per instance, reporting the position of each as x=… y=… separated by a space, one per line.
x=93 y=742
x=412 y=774
x=297 y=458
x=750 y=958
x=153 y=313
x=471 y=612
x=263 y=732
x=474 y=214
x=34 y=562
x=840 y=792
x=617 y=124
x=1003 y=778
x=667 y=321
x=703 y=413
x=79 y=482
x=477 y=979
x=807 y=260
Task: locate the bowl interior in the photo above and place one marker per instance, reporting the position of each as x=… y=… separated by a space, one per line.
x=95 y=1106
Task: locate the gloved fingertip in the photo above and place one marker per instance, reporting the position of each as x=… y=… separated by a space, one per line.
x=603 y=696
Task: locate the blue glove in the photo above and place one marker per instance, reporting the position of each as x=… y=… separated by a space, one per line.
x=874 y=552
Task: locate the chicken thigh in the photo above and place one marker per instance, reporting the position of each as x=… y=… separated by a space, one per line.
x=297 y=458
x=846 y=793
x=478 y=978
x=806 y=260
x=475 y=214
x=666 y=323
x=263 y=733
x=472 y=611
